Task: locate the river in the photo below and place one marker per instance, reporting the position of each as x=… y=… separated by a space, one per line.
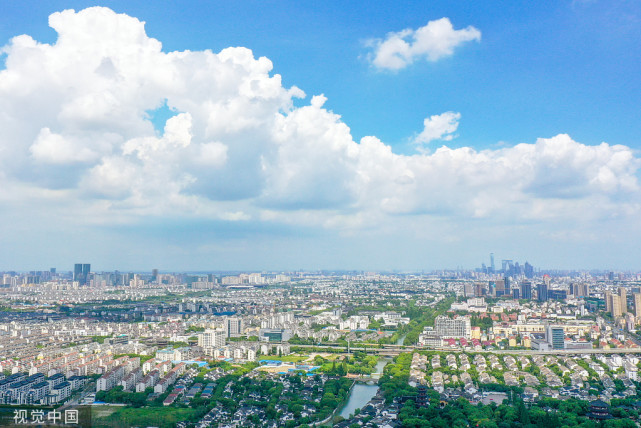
x=361 y=393
x=359 y=396
x=401 y=339
x=381 y=363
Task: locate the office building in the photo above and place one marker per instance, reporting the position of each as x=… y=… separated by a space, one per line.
x=542 y=292
x=526 y=290
x=580 y=290
x=81 y=273
x=77 y=272
x=557 y=294
x=274 y=334
x=528 y=270
x=556 y=337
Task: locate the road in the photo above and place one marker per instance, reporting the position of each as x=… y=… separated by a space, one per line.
x=393 y=350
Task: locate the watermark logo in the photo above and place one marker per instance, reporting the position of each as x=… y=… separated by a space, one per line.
x=23 y=417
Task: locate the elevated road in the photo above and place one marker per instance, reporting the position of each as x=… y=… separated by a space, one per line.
x=393 y=350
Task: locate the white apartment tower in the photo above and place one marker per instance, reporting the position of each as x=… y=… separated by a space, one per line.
x=458 y=327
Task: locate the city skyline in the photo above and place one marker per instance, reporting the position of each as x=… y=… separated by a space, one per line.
x=291 y=137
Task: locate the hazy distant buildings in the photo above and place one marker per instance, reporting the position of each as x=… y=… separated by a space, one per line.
x=542 y=292
x=528 y=270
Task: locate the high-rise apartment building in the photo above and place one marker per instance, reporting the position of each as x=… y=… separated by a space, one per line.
x=637 y=306
x=234 y=327
x=458 y=327
x=211 y=339
x=623 y=300
x=613 y=305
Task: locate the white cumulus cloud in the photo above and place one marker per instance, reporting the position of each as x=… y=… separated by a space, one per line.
x=433 y=41
x=439 y=127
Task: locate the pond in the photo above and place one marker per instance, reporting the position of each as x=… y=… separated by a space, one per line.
x=359 y=396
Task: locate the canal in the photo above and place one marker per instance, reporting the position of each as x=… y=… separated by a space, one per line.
x=359 y=396
x=361 y=393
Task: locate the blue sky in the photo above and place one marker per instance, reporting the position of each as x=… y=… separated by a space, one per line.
x=272 y=180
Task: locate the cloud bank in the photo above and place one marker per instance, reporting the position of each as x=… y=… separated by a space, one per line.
x=76 y=136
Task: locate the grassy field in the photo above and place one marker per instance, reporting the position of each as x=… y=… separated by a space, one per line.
x=292 y=358
x=163 y=417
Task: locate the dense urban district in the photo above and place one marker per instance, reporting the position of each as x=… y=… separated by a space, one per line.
x=508 y=347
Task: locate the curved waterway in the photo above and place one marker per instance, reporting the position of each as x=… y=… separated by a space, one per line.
x=359 y=396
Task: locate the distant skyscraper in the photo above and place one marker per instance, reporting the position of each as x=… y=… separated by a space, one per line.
x=86 y=269
x=77 y=272
x=81 y=273
x=492 y=269
x=526 y=290
x=154 y=274
x=528 y=270
x=516 y=293
x=542 y=292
